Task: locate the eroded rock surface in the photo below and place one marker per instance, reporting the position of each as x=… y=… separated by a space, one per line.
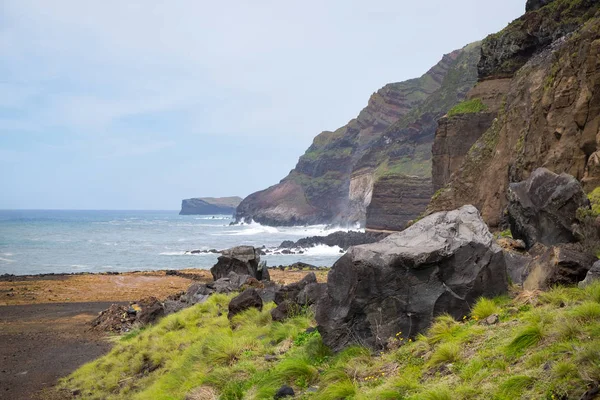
x=442 y=264
x=558 y=265
x=243 y=260
x=543 y=208
x=550 y=113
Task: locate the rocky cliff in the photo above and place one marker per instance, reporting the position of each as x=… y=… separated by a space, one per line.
x=545 y=66
x=400 y=160
x=333 y=181
x=210 y=205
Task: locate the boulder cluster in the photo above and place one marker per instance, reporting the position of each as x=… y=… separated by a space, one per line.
x=395 y=287
x=443 y=263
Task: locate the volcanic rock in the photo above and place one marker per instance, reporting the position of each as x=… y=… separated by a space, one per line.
x=243 y=260
x=441 y=264
x=249 y=298
x=558 y=265
x=543 y=208
x=592 y=275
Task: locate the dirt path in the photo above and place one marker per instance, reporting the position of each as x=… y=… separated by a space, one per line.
x=44 y=332
x=41 y=343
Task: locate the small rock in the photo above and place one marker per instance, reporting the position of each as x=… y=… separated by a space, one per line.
x=492 y=319
x=592 y=275
x=284 y=391
x=271 y=358
x=248 y=299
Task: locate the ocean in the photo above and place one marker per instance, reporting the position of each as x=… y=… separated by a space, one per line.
x=61 y=241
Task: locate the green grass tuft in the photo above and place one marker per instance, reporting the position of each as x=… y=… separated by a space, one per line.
x=446 y=353
x=527 y=337
x=468 y=107
x=484 y=308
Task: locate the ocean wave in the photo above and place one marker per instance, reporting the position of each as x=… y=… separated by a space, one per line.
x=184 y=253
x=6 y=260
x=321 y=250
x=255 y=228
x=324 y=250
x=216 y=217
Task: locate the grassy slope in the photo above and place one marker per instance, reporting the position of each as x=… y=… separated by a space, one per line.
x=546 y=346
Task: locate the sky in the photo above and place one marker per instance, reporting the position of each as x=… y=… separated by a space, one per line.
x=138 y=104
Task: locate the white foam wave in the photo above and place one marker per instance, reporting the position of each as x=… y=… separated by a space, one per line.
x=80 y=266
x=254 y=228
x=6 y=260
x=172 y=253
x=7 y=254
x=321 y=250
x=183 y=253
x=324 y=250
x=217 y=217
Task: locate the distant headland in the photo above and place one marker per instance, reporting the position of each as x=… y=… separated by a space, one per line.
x=209 y=205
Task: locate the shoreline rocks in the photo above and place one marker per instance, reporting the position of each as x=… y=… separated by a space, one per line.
x=243 y=260
x=342 y=239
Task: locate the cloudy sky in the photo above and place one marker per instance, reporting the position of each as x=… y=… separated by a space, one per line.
x=137 y=104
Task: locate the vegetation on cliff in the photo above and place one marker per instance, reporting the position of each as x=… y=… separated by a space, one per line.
x=542 y=346
x=467 y=107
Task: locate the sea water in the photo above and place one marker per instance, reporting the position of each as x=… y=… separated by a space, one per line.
x=53 y=241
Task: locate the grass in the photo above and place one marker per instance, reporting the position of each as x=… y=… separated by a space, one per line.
x=484 y=308
x=548 y=347
x=467 y=107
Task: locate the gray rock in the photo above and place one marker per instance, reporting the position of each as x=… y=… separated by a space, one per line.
x=231 y=283
x=558 y=265
x=492 y=319
x=592 y=275
x=311 y=294
x=284 y=310
x=290 y=292
x=268 y=292
x=517 y=266
x=441 y=264
x=543 y=208
x=243 y=260
x=248 y=299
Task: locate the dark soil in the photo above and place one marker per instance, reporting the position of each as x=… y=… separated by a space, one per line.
x=40 y=343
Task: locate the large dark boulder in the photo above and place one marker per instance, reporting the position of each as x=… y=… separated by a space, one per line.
x=442 y=264
x=243 y=260
x=248 y=299
x=543 y=208
x=563 y=264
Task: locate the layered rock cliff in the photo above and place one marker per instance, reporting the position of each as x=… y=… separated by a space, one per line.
x=333 y=181
x=546 y=68
x=400 y=160
x=210 y=205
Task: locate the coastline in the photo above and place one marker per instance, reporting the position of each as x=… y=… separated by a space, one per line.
x=44 y=320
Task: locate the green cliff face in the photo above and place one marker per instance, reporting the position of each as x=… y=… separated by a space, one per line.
x=320 y=189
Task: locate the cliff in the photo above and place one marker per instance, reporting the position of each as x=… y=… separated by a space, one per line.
x=399 y=162
x=333 y=181
x=210 y=205
x=545 y=68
